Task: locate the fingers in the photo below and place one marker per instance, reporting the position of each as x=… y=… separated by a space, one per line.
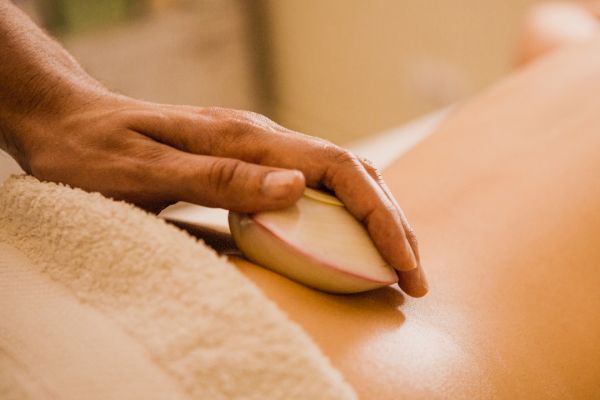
x=413 y=282
x=236 y=185
x=255 y=139
x=368 y=203
x=219 y=132
x=218 y=182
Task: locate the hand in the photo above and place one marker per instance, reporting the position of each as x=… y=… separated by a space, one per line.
x=153 y=155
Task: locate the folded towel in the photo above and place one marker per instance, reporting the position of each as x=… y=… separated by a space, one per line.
x=161 y=296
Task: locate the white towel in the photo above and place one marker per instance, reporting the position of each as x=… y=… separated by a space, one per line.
x=104 y=281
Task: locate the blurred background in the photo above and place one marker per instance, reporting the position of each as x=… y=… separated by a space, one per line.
x=339 y=69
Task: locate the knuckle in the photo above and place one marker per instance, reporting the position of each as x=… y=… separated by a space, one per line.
x=237 y=123
x=248 y=122
x=372 y=170
x=234 y=126
x=369 y=165
x=250 y=115
x=375 y=173
x=339 y=163
x=259 y=120
x=344 y=158
x=368 y=216
x=215 y=111
x=222 y=173
x=410 y=233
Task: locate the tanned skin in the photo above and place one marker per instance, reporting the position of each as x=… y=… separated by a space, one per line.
x=555 y=24
x=62 y=125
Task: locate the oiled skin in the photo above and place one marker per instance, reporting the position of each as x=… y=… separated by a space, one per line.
x=505 y=198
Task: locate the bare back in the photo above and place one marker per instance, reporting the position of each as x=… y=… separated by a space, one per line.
x=505 y=198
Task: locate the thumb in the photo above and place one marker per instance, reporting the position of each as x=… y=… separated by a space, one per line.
x=232 y=184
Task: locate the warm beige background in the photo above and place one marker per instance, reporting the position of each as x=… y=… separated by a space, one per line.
x=194 y=52
x=349 y=68
x=340 y=69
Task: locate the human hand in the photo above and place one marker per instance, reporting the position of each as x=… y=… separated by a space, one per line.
x=153 y=155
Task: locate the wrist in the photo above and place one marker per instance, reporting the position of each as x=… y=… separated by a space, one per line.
x=60 y=96
x=22 y=131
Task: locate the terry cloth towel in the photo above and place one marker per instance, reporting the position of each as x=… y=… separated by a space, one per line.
x=101 y=300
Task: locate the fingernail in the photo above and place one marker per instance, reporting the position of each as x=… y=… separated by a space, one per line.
x=413 y=282
x=278 y=184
